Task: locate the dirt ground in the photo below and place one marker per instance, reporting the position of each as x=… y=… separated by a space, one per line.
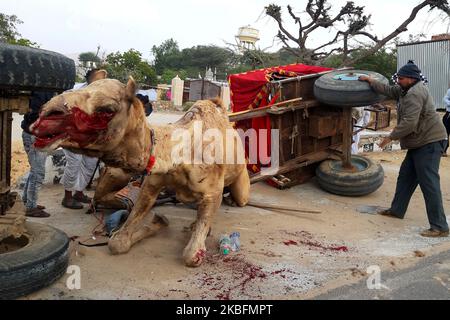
x=282 y=256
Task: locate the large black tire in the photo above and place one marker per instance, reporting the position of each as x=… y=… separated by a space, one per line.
x=343 y=89
x=366 y=178
x=40 y=263
x=24 y=68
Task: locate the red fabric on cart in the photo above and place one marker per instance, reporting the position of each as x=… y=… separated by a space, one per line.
x=245 y=86
x=249 y=90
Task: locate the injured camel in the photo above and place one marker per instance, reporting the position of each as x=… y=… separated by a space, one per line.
x=107 y=121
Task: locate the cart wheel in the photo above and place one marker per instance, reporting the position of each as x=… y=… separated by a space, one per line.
x=343 y=89
x=365 y=178
x=35 y=69
x=34 y=261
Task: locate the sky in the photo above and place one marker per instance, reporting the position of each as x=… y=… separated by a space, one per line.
x=71 y=27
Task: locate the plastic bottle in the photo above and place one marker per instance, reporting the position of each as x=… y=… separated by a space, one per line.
x=235 y=241
x=225 y=244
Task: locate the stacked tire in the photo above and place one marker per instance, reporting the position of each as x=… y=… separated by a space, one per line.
x=25 y=68
x=343 y=89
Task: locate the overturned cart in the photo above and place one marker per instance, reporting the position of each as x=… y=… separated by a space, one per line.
x=311 y=107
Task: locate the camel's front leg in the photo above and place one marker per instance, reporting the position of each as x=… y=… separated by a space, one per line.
x=134 y=229
x=195 y=251
x=110 y=182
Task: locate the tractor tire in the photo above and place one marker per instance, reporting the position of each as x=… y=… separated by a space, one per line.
x=42 y=261
x=30 y=69
x=367 y=177
x=343 y=89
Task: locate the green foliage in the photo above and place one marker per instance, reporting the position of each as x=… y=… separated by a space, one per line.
x=192 y=60
x=196 y=59
x=88 y=56
x=9 y=33
x=8 y=29
x=383 y=61
x=169 y=74
x=122 y=65
x=167 y=56
x=257 y=59
x=285 y=57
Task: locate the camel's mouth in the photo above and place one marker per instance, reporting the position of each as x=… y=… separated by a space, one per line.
x=58 y=125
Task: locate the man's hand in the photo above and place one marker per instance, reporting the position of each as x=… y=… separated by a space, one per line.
x=385 y=142
x=365 y=78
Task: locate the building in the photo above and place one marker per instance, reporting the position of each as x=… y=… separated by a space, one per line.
x=433 y=58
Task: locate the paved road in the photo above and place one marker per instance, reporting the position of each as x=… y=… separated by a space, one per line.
x=428 y=280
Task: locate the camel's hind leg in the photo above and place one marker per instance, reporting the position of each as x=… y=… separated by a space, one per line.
x=240 y=189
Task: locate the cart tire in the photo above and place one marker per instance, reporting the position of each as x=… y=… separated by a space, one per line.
x=35 y=69
x=38 y=264
x=332 y=178
x=341 y=89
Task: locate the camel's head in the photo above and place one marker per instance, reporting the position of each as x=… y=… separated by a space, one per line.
x=92 y=119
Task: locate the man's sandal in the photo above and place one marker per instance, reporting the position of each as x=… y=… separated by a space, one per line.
x=36 y=213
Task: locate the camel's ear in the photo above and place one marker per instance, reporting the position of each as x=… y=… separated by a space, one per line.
x=131 y=89
x=99 y=75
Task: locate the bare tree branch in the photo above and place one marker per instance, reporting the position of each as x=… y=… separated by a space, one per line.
x=274 y=11
x=402 y=28
x=339 y=33
x=350 y=22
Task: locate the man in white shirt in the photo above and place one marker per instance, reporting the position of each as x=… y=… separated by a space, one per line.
x=362 y=118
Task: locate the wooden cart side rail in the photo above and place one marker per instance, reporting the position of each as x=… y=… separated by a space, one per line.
x=280 y=107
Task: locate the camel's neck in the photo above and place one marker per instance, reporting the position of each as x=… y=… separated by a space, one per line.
x=133 y=153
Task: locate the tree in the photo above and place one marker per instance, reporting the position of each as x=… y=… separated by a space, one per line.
x=9 y=33
x=384 y=61
x=192 y=60
x=350 y=25
x=121 y=65
x=197 y=58
x=89 y=57
x=169 y=74
x=167 y=55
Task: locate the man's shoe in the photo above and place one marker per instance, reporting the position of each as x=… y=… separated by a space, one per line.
x=433 y=233
x=83 y=199
x=388 y=213
x=71 y=203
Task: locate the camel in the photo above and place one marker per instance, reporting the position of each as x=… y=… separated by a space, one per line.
x=107 y=121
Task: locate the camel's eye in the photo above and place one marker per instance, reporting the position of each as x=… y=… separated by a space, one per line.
x=105 y=109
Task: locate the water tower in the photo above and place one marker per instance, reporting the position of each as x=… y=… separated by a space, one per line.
x=247 y=37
